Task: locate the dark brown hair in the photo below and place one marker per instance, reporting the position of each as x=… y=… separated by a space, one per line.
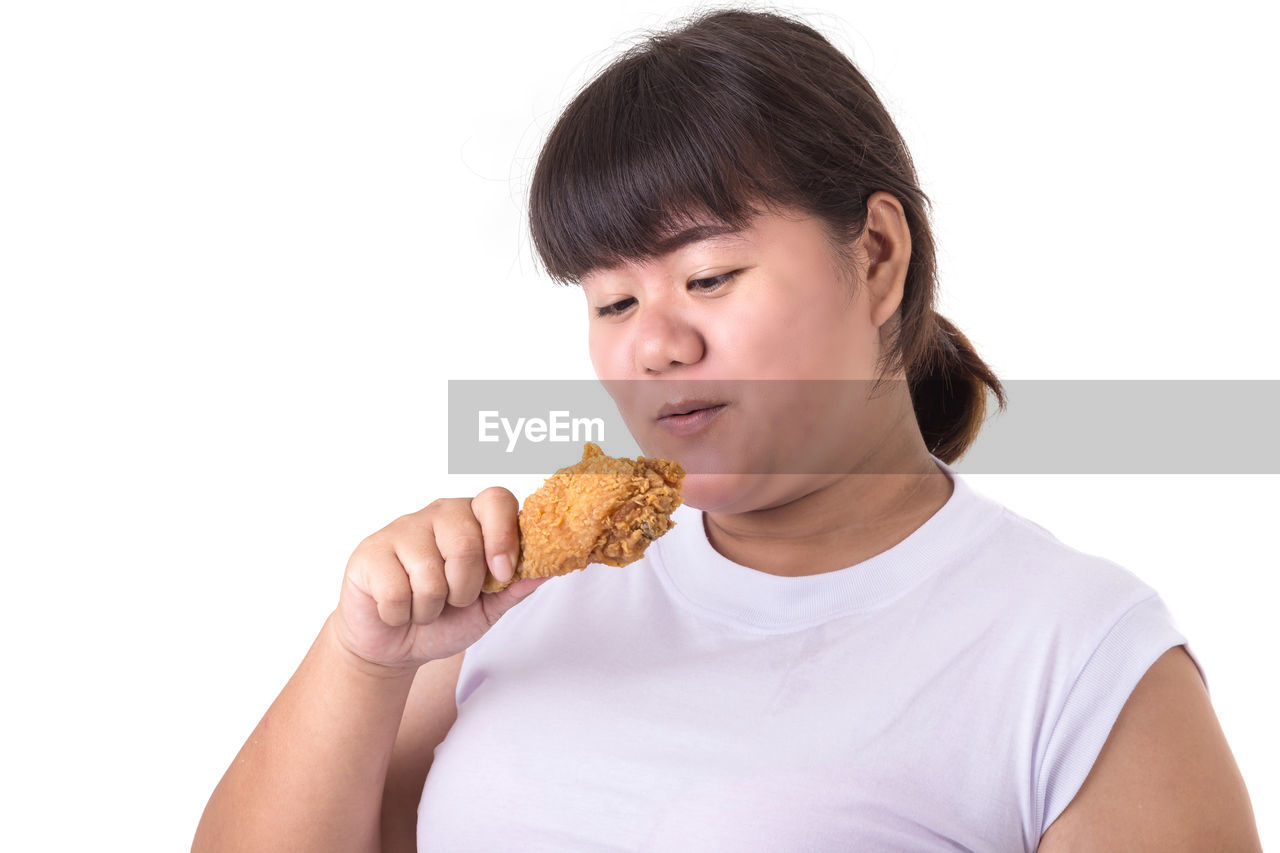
x=734 y=110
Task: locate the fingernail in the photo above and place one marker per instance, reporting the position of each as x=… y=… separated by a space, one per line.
x=502 y=568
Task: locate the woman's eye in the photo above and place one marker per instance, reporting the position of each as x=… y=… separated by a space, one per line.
x=703 y=284
x=713 y=282
x=616 y=308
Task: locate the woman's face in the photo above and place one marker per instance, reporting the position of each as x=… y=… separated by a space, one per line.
x=716 y=325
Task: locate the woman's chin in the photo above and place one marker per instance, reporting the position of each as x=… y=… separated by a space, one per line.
x=711 y=492
x=735 y=493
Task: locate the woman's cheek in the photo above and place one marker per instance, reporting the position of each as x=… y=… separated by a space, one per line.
x=770 y=343
x=606 y=358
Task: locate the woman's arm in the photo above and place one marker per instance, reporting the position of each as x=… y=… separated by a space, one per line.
x=1165 y=779
x=428 y=716
x=310 y=776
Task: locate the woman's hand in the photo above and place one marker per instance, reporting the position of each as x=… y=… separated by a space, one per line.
x=411 y=593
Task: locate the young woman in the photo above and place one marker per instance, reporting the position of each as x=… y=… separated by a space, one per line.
x=841 y=645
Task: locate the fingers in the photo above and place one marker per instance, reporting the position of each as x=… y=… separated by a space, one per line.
x=425 y=568
x=385 y=581
x=498 y=512
x=461 y=543
x=500 y=602
x=440 y=556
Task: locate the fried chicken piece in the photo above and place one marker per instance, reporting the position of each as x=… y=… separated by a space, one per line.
x=600 y=510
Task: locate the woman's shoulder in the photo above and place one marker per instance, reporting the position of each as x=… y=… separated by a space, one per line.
x=1024 y=560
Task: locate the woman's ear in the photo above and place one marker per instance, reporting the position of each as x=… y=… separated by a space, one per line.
x=885 y=245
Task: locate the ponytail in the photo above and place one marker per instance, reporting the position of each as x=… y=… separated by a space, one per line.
x=948 y=388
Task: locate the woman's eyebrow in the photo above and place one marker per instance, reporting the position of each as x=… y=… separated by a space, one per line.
x=718 y=232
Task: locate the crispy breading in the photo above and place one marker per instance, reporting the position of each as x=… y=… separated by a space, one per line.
x=600 y=510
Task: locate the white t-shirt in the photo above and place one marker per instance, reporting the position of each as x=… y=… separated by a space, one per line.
x=949 y=693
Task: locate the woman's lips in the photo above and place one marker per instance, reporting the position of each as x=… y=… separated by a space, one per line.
x=691 y=422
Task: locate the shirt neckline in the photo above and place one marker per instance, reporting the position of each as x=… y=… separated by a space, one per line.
x=712 y=584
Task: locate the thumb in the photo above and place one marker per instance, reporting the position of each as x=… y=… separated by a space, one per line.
x=498 y=603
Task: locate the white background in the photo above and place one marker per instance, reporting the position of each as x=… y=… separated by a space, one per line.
x=245 y=244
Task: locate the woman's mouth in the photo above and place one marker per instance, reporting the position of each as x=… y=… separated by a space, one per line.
x=691 y=421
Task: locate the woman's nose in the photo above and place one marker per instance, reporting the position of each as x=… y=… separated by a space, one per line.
x=665 y=340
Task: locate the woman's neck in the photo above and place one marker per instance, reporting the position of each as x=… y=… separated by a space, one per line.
x=844 y=521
